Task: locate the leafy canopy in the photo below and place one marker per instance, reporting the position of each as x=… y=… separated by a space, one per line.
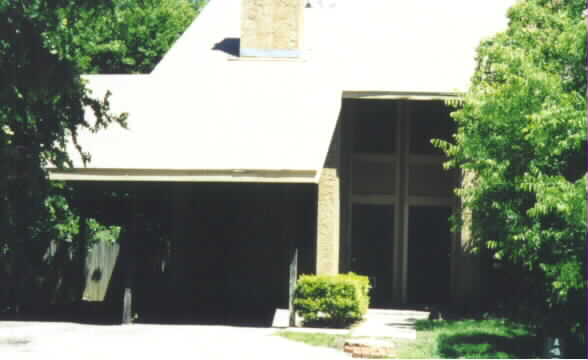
x=522 y=134
x=44 y=47
x=132 y=38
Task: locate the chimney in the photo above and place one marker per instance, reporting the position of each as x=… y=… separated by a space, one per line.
x=271 y=28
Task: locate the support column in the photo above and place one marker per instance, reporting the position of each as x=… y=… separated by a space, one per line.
x=293 y=276
x=82 y=258
x=328 y=212
x=400 y=265
x=129 y=269
x=290 y=210
x=348 y=114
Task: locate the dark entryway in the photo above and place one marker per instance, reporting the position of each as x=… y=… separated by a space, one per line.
x=429 y=247
x=400 y=198
x=210 y=253
x=372 y=249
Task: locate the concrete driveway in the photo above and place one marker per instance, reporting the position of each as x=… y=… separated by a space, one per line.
x=79 y=341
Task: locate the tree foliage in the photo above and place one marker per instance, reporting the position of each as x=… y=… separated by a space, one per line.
x=132 y=38
x=522 y=133
x=44 y=47
x=42 y=100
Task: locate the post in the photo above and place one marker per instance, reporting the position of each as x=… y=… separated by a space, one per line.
x=82 y=258
x=127 y=313
x=292 y=283
x=127 y=317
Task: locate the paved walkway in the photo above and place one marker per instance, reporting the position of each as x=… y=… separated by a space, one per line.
x=389 y=323
x=380 y=323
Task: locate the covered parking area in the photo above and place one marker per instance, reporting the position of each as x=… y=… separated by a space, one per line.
x=218 y=216
x=202 y=252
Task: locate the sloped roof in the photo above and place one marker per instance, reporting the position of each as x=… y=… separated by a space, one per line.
x=204 y=114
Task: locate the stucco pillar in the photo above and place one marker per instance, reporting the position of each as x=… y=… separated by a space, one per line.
x=328 y=212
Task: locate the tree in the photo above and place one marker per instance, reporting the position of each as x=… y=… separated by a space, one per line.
x=131 y=39
x=522 y=134
x=42 y=100
x=44 y=47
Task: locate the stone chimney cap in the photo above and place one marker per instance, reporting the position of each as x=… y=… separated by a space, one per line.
x=271 y=28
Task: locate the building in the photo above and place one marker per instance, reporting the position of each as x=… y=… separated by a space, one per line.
x=276 y=137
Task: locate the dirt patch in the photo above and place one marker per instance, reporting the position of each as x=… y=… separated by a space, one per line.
x=369 y=349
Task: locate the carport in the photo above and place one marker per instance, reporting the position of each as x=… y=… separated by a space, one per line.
x=230 y=155
x=203 y=252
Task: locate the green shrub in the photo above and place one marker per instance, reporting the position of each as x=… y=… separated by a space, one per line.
x=332 y=300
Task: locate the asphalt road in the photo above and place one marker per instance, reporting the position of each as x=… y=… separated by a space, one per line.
x=26 y=340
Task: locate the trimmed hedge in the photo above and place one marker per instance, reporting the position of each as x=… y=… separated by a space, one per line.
x=332 y=300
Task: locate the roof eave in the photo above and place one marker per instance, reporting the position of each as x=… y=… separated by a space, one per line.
x=174 y=175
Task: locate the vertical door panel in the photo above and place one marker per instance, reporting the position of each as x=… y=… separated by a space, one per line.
x=429 y=246
x=372 y=249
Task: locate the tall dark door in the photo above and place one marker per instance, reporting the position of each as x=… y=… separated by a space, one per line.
x=372 y=247
x=429 y=246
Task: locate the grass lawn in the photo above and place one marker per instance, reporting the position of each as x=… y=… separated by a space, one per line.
x=316 y=339
x=479 y=339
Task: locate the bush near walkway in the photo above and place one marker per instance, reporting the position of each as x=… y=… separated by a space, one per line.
x=332 y=300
